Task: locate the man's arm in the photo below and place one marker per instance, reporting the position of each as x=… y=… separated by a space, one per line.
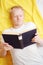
x=4 y=47
x=2 y=50
x=38 y=40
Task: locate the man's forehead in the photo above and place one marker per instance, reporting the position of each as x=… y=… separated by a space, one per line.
x=17 y=9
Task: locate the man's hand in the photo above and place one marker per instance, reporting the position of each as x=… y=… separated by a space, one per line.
x=4 y=47
x=7 y=47
x=38 y=40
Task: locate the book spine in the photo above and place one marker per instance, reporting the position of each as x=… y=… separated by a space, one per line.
x=21 y=41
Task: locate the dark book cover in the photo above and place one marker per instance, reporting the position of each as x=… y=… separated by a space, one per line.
x=20 y=41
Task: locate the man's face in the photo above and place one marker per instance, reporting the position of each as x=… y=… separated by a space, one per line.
x=17 y=16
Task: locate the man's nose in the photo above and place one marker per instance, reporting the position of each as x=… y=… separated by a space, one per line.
x=18 y=17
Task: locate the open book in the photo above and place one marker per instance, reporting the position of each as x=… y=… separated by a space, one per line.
x=20 y=41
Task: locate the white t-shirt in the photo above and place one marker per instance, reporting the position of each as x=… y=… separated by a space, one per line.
x=25 y=27
x=28 y=55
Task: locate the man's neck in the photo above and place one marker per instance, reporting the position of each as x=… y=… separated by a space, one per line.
x=17 y=26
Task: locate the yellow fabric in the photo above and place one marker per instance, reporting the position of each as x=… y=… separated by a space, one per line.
x=38 y=20
x=6 y=60
x=31 y=14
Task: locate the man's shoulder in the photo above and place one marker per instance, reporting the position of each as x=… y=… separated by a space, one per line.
x=30 y=25
x=6 y=31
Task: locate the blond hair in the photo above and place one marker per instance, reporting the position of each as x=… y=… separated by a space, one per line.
x=15 y=7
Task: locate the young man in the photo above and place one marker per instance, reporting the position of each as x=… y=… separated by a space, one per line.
x=29 y=54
